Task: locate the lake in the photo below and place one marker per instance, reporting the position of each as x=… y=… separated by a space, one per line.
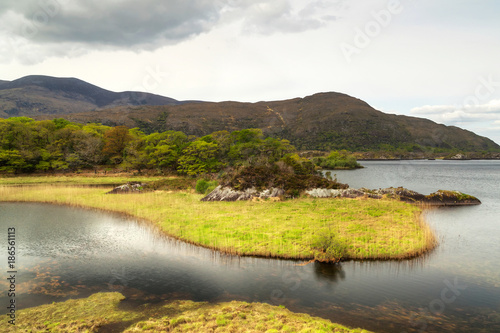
x=67 y=252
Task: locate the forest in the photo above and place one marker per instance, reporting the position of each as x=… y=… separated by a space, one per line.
x=28 y=146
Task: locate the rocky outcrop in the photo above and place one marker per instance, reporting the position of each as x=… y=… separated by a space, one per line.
x=451 y=198
x=326 y=193
x=226 y=193
x=439 y=198
x=128 y=188
x=458 y=157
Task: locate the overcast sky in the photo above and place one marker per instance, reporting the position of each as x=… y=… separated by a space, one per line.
x=434 y=59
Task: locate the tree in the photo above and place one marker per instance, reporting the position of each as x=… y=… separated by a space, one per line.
x=198 y=158
x=88 y=148
x=164 y=149
x=11 y=161
x=115 y=141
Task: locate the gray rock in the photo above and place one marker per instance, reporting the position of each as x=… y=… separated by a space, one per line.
x=127 y=188
x=327 y=193
x=228 y=194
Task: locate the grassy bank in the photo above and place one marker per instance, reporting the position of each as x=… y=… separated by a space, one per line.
x=102 y=313
x=365 y=229
x=73 y=179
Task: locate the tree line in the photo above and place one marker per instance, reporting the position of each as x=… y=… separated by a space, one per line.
x=27 y=146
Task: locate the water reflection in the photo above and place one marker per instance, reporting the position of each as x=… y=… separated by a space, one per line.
x=82 y=252
x=329 y=272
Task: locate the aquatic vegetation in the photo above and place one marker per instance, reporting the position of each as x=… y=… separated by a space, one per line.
x=102 y=313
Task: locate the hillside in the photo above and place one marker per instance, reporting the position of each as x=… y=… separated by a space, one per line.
x=323 y=121
x=38 y=95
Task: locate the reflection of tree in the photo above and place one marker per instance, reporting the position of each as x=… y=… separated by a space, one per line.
x=329 y=272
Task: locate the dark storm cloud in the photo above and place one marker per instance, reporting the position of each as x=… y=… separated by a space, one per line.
x=33 y=30
x=149 y=23
x=120 y=23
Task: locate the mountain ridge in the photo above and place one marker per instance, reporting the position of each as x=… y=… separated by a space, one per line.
x=322 y=121
x=34 y=94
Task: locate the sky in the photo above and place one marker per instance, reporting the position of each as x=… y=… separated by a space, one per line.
x=433 y=59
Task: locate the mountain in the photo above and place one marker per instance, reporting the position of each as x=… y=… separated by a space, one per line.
x=323 y=121
x=38 y=95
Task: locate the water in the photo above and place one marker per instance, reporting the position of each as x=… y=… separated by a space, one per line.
x=66 y=252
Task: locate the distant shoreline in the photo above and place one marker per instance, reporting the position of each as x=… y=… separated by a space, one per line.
x=428 y=159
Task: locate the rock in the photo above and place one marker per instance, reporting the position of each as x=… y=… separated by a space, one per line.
x=459 y=157
x=451 y=198
x=228 y=194
x=127 y=188
x=323 y=193
x=401 y=193
x=439 y=198
x=327 y=193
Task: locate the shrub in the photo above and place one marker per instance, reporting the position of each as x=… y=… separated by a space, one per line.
x=337 y=160
x=204 y=187
x=278 y=175
x=328 y=248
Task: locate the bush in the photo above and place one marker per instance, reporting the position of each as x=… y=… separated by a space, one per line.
x=204 y=187
x=278 y=175
x=337 y=160
x=328 y=248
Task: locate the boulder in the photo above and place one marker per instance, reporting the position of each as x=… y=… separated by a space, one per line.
x=327 y=193
x=127 y=188
x=459 y=157
x=225 y=193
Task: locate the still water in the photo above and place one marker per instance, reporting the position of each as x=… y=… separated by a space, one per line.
x=65 y=252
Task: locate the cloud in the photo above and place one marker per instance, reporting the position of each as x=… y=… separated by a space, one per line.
x=32 y=30
x=118 y=23
x=453 y=114
x=268 y=17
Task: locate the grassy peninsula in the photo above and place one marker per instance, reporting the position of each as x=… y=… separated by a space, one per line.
x=294 y=229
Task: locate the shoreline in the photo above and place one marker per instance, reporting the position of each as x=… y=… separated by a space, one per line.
x=227 y=250
x=427 y=159
x=303 y=260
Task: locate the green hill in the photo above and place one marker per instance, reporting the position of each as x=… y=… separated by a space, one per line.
x=324 y=121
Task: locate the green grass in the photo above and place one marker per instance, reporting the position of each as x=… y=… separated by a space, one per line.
x=102 y=312
x=74 y=180
x=367 y=229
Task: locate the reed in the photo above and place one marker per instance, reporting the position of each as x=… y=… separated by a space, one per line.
x=369 y=229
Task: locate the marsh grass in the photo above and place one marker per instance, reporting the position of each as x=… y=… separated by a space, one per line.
x=75 y=180
x=369 y=229
x=103 y=312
